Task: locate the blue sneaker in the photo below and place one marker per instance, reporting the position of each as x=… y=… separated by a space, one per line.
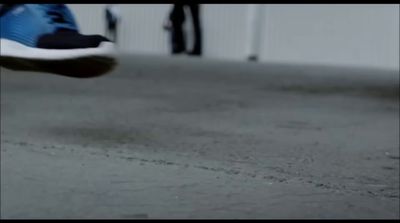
x=46 y=38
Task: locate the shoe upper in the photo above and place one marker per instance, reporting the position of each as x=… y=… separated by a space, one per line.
x=50 y=26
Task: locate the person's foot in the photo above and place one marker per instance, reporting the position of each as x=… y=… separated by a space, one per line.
x=194 y=53
x=45 y=38
x=178 y=50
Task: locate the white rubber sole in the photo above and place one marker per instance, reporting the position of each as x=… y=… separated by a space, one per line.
x=82 y=63
x=11 y=48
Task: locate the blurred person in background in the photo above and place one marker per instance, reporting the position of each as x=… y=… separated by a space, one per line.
x=175 y=24
x=112 y=14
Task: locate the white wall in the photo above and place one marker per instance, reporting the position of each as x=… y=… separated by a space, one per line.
x=224 y=28
x=361 y=35
x=89 y=17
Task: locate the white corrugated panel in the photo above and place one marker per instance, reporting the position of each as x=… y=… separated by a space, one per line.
x=141 y=29
x=225 y=33
x=361 y=35
x=90 y=17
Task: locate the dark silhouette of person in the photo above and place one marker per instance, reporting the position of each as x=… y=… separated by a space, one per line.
x=112 y=19
x=178 y=35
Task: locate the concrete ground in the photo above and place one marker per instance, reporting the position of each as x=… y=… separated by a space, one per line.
x=190 y=138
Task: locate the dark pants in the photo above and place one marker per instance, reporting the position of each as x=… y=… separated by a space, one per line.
x=111 y=31
x=178 y=38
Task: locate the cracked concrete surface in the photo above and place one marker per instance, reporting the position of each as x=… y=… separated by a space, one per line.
x=189 y=138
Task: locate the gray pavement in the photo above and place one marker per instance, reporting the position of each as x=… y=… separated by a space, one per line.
x=193 y=138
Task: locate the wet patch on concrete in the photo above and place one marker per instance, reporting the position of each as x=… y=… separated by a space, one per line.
x=393 y=157
x=298 y=125
x=106 y=136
